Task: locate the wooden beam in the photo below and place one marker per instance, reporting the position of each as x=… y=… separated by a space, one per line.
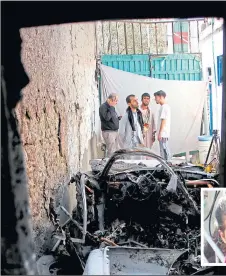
x=109 y=27
x=198 y=34
x=156 y=39
x=141 y=40
x=125 y=38
x=134 y=49
x=189 y=36
x=102 y=28
x=117 y=36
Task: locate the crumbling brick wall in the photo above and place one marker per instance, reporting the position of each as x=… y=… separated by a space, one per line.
x=57 y=116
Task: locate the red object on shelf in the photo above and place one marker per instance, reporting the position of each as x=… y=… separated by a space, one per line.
x=177 y=37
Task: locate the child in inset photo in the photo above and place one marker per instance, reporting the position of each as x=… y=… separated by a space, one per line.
x=219 y=235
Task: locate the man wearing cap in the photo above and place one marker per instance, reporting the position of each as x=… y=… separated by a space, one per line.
x=149 y=121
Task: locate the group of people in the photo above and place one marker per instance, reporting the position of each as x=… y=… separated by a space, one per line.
x=137 y=127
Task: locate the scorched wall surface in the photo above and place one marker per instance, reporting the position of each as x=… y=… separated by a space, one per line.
x=57 y=116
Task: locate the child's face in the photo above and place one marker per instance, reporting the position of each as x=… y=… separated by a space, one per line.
x=223 y=233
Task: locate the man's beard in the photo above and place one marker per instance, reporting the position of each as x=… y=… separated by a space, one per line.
x=135 y=107
x=145 y=104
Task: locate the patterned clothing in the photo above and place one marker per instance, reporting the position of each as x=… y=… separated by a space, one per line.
x=149 y=120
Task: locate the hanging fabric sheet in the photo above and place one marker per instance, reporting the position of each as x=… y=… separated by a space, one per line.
x=186 y=99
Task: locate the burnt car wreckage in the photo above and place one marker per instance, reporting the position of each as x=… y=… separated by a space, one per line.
x=150 y=215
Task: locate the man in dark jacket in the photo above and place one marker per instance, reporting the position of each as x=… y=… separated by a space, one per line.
x=110 y=123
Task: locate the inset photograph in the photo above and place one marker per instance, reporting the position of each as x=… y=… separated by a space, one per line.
x=213 y=227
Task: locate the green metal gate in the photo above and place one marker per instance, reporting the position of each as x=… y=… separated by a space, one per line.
x=169 y=67
x=176 y=67
x=137 y=64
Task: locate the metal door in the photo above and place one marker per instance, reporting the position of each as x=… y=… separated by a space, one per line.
x=176 y=67
x=137 y=64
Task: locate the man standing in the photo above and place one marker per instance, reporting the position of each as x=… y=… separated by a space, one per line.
x=149 y=121
x=164 y=120
x=131 y=125
x=110 y=123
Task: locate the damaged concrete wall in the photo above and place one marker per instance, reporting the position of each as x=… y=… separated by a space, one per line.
x=57 y=116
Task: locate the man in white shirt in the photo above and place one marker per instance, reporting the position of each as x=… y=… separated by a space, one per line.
x=163 y=130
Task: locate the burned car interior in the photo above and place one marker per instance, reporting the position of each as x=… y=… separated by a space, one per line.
x=123 y=206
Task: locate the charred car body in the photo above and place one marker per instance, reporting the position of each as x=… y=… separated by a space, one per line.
x=135 y=219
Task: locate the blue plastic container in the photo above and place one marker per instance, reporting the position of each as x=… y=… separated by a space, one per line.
x=204 y=138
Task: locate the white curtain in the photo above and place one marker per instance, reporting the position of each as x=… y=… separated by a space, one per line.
x=186 y=99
